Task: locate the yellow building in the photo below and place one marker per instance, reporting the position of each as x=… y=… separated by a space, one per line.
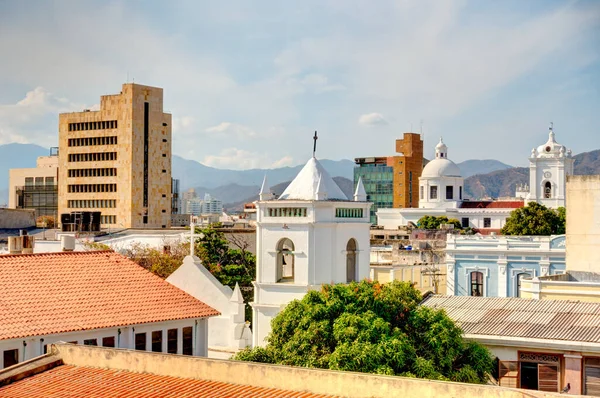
x=35 y=188
x=117 y=160
x=425 y=278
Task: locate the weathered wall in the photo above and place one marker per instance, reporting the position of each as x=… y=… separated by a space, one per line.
x=14 y=219
x=583 y=223
x=347 y=384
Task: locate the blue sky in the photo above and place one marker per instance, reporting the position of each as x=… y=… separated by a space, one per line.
x=248 y=82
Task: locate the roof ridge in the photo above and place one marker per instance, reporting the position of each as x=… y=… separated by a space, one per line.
x=58 y=253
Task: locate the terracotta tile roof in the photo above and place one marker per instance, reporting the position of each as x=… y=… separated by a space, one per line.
x=71 y=381
x=516 y=317
x=63 y=292
x=501 y=204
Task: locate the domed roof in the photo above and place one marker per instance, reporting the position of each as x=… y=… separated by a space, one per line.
x=441 y=167
x=551 y=148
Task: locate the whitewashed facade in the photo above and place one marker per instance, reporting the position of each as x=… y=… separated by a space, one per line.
x=312 y=235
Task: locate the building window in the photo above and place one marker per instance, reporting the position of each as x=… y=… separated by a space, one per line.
x=421 y=190
x=591 y=377
x=188 y=341
x=459 y=193
x=157 y=339
x=464 y=222
x=477 y=284
x=172 y=341
x=519 y=278
x=285 y=260
x=348 y=213
x=351 y=257
x=487 y=222
x=28 y=181
x=11 y=357
x=449 y=192
x=108 y=341
x=410 y=176
x=433 y=192
x=287 y=212
x=548 y=190
x=140 y=341
x=539 y=371
x=90 y=342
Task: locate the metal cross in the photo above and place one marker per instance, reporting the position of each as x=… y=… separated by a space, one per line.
x=193 y=235
x=551 y=126
x=315 y=138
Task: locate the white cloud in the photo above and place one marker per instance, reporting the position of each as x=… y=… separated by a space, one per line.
x=241 y=159
x=372 y=119
x=34 y=119
x=227 y=128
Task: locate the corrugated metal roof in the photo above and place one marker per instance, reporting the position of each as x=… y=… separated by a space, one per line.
x=517 y=317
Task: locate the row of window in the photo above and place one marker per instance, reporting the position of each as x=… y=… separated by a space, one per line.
x=348 y=213
x=11 y=357
x=75 y=188
x=287 y=212
x=92 y=157
x=487 y=222
x=476 y=283
x=92 y=204
x=108 y=219
x=433 y=192
x=105 y=172
x=39 y=181
x=102 y=125
x=90 y=141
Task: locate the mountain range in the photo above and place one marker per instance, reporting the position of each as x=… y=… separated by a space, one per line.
x=483 y=178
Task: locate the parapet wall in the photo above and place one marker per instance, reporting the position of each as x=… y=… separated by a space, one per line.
x=17 y=218
x=346 y=384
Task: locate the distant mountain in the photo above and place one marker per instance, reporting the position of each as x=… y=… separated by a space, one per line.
x=503 y=182
x=194 y=174
x=346 y=185
x=470 y=168
x=17 y=156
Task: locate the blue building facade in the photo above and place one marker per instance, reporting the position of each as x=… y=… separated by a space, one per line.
x=494 y=266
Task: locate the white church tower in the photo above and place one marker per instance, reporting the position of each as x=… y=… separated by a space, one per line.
x=441 y=183
x=311 y=235
x=549 y=166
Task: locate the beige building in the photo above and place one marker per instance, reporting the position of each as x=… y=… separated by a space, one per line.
x=583 y=226
x=35 y=188
x=117 y=160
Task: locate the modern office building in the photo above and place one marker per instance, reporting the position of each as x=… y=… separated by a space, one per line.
x=392 y=181
x=117 y=160
x=36 y=188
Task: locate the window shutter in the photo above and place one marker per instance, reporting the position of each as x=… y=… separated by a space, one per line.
x=508 y=373
x=547 y=377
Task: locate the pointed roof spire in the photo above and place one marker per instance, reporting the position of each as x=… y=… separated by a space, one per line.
x=304 y=186
x=236 y=296
x=265 y=190
x=551 y=136
x=360 y=195
x=320 y=194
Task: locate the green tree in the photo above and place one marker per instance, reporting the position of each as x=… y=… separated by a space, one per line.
x=375 y=328
x=433 y=222
x=535 y=219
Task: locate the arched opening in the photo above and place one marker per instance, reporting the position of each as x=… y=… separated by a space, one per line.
x=476 y=284
x=520 y=277
x=548 y=190
x=351 y=257
x=285 y=260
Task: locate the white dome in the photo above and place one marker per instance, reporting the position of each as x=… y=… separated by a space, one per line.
x=441 y=167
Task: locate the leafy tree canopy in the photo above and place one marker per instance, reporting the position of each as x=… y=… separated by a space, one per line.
x=536 y=219
x=433 y=222
x=375 y=328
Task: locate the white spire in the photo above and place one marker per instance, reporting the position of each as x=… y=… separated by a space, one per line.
x=320 y=194
x=304 y=186
x=441 y=150
x=265 y=190
x=236 y=296
x=551 y=136
x=360 y=195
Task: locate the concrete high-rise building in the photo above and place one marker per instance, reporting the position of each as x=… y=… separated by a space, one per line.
x=117 y=160
x=393 y=181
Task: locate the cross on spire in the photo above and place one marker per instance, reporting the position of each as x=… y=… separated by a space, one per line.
x=551 y=128
x=193 y=235
x=315 y=138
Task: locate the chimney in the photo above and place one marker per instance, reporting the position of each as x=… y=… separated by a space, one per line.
x=22 y=244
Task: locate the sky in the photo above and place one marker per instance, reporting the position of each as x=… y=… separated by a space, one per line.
x=248 y=82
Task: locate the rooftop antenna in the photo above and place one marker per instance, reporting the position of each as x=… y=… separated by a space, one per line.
x=315 y=138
